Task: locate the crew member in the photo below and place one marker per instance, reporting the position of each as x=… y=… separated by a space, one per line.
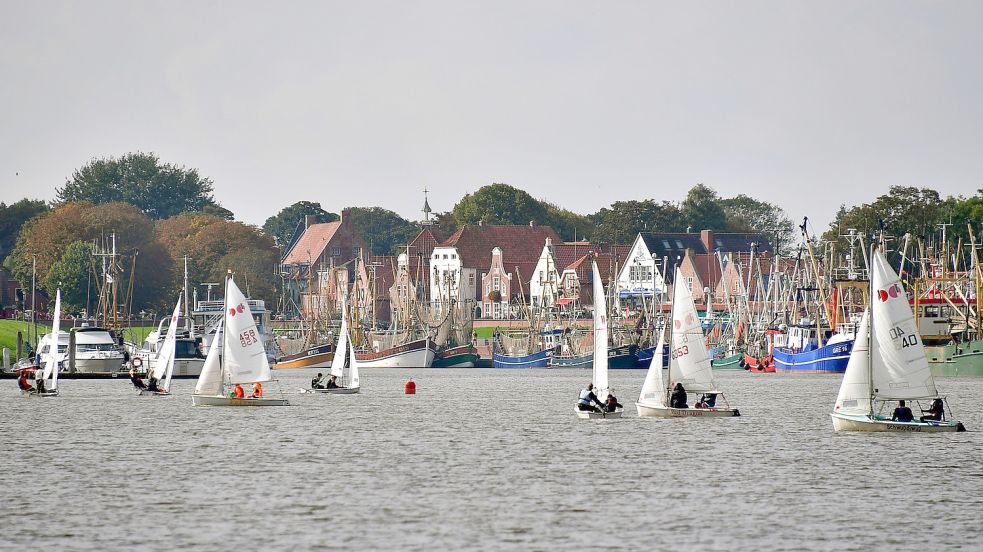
x=239 y=392
x=588 y=399
x=318 y=382
x=257 y=390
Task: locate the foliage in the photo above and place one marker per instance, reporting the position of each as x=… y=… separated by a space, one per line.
x=214 y=245
x=746 y=214
x=499 y=204
x=623 y=220
x=71 y=273
x=158 y=190
x=383 y=229
x=12 y=217
x=283 y=225
x=701 y=210
x=569 y=225
x=904 y=209
x=47 y=237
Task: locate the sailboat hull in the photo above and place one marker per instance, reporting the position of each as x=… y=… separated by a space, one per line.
x=337 y=390
x=844 y=422
x=218 y=400
x=658 y=411
x=590 y=415
x=146 y=393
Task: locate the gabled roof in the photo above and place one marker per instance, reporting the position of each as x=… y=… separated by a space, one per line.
x=521 y=245
x=708 y=269
x=674 y=245
x=425 y=241
x=310 y=245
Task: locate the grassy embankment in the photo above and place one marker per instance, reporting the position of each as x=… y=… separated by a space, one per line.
x=9 y=329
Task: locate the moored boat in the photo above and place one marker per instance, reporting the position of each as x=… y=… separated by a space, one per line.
x=415 y=354
x=463 y=356
x=318 y=356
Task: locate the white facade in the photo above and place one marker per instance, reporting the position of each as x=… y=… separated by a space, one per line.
x=641 y=275
x=448 y=279
x=545 y=281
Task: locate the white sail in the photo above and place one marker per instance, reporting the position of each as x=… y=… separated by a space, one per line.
x=210 y=379
x=243 y=353
x=352 y=366
x=854 y=396
x=164 y=363
x=899 y=369
x=341 y=349
x=689 y=363
x=600 y=376
x=654 y=389
x=51 y=361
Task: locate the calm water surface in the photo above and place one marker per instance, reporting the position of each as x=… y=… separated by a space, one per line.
x=478 y=459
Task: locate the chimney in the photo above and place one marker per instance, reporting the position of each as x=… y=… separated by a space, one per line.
x=706 y=236
x=344 y=214
x=309 y=220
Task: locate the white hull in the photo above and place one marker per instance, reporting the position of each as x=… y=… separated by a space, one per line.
x=218 y=400
x=421 y=358
x=98 y=365
x=337 y=390
x=659 y=411
x=183 y=367
x=842 y=422
x=590 y=415
x=45 y=394
x=146 y=393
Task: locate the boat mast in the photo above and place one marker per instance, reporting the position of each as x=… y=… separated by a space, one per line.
x=672 y=326
x=187 y=311
x=225 y=316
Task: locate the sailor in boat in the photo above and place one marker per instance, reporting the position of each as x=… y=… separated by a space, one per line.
x=678 y=397
x=257 y=391
x=709 y=399
x=318 y=381
x=135 y=379
x=612 y=403
x=152 y=384
x=935 y=413
x=587 y=397
x=902 y=413
x=332 y=383
x=23 y=384
x=238 y=392
x=39 y=380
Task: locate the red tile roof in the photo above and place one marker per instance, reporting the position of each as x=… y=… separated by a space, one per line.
x=310 y=245
x=520 y=245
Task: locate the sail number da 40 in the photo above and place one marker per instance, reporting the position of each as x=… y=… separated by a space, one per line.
x=248 y=337
x=680 y=351
x=907 y=340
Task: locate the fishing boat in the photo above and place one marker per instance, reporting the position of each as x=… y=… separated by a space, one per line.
x=517 y=349
x=344 y=356
x=414 y=354
x=689 y=365
x=726 y=358
x=888 y=363
x=600 y=367
x=318 y=356
x=51 y=361
x=462 y=356
x=163 y=367
x=236 y=356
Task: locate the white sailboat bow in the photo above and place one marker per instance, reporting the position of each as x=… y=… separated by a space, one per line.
x=243 y=357
x=599 y=375
x=689 y=364
x=887 y=363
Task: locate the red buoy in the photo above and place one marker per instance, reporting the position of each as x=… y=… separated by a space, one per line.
x=410 y=388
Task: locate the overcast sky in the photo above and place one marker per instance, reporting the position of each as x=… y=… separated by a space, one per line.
x=805 y=104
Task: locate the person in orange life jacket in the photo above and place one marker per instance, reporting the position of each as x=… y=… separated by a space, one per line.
x=257 y=390
x=239 y=392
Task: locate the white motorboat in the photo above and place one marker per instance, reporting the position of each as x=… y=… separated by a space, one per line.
x=887 y=364
x=689 y=365
x=599 y=376
x=96 y=352
x=243 y=357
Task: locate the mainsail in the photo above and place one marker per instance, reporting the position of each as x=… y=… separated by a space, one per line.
x=854 y=396
x=654 y=389
x=689 y=363
x=341 y=350
x=164 y=367
x=210 y=379
x=243 y=353
x=51 y=361
x=600 y=375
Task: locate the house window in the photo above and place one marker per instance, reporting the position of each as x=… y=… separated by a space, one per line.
x=496 y=283
x=679 y=244
x=737 y=286
x=471 y=280
x=689 y=284
x=453 y=255
x=335 y=251
x=665 y=243
x=445 y=256
x=356 y=251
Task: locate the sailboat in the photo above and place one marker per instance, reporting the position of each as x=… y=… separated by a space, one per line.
x=51 y=358
x=166 y=354
x=689 y=365
x=887 y=363
x=344 y=354
x=236 y=356
x=600 y=370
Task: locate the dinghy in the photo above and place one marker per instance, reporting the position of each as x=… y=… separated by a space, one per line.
x=344 y=354
x=689 y=365
x=887 y=363
x=166 y=354
x=50 y=374
x=236 y=356
x=600 y=371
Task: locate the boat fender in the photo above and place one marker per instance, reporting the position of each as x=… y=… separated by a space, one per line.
x=410 y=388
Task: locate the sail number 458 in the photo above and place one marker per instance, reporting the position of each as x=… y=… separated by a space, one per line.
x=248 y=337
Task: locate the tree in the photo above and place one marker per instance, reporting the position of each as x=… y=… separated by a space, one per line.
x=569 y=225
x=967 y=211
x=701 y=210
x=13 y=217
x=746 y=214
x=283 y=225
x=499 y=204
x=71 y=273
x=623 y=220
x=383 y=229
x=158 y=190
x=49 y=236
x=904 y=209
